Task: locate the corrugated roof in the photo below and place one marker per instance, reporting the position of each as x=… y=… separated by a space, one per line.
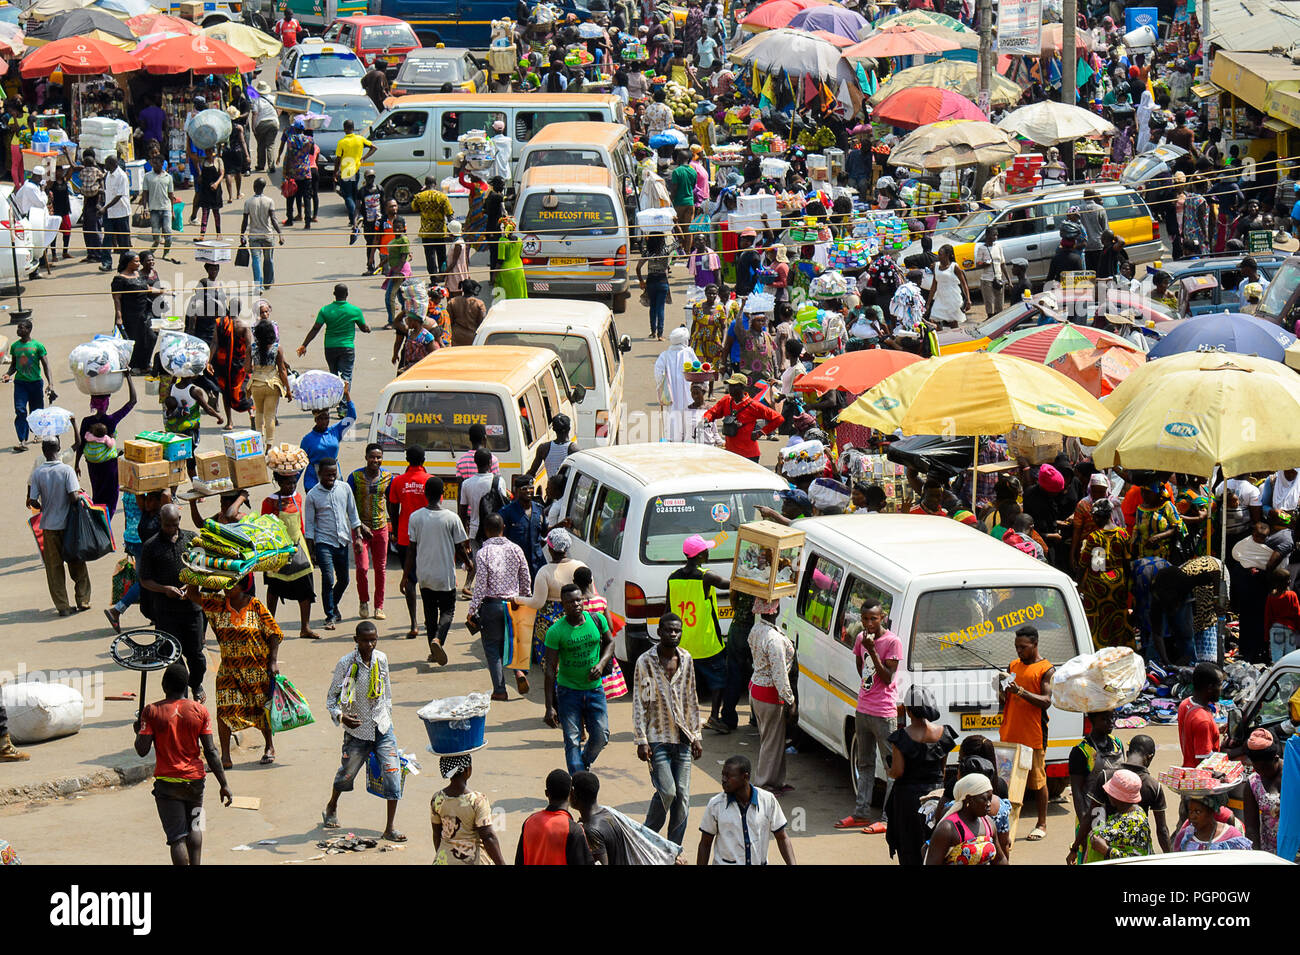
x=1254 y=25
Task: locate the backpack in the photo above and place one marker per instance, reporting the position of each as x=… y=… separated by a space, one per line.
x=490 y=503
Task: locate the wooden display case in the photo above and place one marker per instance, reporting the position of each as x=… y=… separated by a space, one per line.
x=768 y=556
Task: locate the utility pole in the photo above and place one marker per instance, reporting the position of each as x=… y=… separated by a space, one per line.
x=1069 y=55
x=984 y=25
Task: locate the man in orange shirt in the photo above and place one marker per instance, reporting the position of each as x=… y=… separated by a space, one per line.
x=405 y=497
x=551 y=836
x=1024 y=719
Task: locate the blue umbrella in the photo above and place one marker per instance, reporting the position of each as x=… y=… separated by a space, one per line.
x=837 y=20
x=1230 y=331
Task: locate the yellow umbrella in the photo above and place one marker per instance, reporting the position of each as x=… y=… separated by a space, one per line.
x=1218 y=411
x=1292 y=355
x=960 y=76
x=977 y=393
x=249 y=41
x=1140 y=379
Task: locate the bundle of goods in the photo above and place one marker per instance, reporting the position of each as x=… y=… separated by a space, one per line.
x=759 y=303
x=848 y=254
x=213 y=250
x=680 y=100
x=772 y=168
x=819 y=167
x=318 y=390
x=699 y=371
x=456 y=725
x=414 y=294
x=825 y=493
x=1025 y=171
x=143 y=465
x=479 y=152
x=1216 y=773
x=768 y=143
x=656 y=221
x=545 y=14
x=287 y=459
x=1111 y=170
x=807 y=229
x=758 y=211
x=826 y=334
x=208 y=128
x=98 y=366
x=1033 y=445
x=577 y=57
x=184 y=356
x=830 y=284
x=1101 y=681
x=673 y=138
x=806 y=457
x=50 y=422
x=635 y=52
x=224 y=553
x=175 y=447
x=729 y=154
x=41 y=711
x=103 y=134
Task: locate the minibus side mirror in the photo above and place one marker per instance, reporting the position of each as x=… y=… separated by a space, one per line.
x=625 y=343
x=578 y=393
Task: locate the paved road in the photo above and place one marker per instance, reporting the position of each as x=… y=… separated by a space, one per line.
x=119 y=826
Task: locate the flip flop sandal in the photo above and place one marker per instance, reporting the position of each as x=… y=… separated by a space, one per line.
x=852 y=822
x=393 y=836
x=329 y=820
x=875 y=829
x=267 y=759
x=1037 y=835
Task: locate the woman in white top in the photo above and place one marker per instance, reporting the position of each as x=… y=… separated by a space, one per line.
x=992 y=263
x=457 y=257
x=547 y=585
x=949 y=295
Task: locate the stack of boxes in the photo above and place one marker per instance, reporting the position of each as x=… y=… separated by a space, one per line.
x=1025 y=171
x=157 y=460
x=246 y=458
x=755 y=212
x=144 y=465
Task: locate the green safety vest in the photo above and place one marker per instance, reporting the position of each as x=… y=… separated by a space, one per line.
x=698 y=609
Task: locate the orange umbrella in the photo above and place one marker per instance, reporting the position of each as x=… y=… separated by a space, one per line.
x=921 y=105
x=855 y=371
x=899 y=41
x=78 y=56
x=147 y=23
x=199 y=54
x=1099 y=370
x=832 y=38
x=1051 y=42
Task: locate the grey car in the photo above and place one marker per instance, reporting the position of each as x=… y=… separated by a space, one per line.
x=340 y=107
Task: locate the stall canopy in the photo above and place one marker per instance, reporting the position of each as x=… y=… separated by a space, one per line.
x=78 y=56
x=1050 y=122
x=1252 y=76
x=186 y=54
x=921 y=105
x=249 y=41
x=901 y=40
x=959 y=142
x=831 y=18
x=82 y=23
x=162 y=23
x=776 y=13
x=956 y=75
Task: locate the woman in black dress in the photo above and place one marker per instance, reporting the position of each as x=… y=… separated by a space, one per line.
x=133 y=298
x=61 y=205
x=920 y=750
x=207 y=190
x=234 y=155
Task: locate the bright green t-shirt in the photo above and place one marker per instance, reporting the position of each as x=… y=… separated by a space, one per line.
x=684 y=179
x=27 y=359
x=340 y=320
x=579 y=650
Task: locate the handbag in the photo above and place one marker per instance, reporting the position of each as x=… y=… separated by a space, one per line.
x=289 y=188
x=242 y=258
x=613 y=682
x=287 y=709
x=88 y=535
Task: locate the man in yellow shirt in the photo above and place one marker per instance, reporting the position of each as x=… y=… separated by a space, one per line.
x=350 y=152
x=435 y=209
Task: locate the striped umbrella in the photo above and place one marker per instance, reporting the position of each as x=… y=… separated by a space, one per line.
x=1046 y=343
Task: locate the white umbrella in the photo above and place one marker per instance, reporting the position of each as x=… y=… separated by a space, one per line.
x=1049 y=122
x=795 y=52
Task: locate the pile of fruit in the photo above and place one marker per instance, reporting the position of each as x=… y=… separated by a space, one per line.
x=681 y=100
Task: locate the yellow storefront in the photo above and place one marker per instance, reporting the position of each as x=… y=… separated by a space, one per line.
x=1259 y=106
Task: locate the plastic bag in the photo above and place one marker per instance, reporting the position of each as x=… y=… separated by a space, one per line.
x=1096 y=682
x=415 y=297
x=184 y=356
x=88 y=535
x=613 y=682
x=318 y=390
x=287 y=709
x=208 y=128
x=95 y=358
x=41 y=711
x=644 y=846
x=48 y=423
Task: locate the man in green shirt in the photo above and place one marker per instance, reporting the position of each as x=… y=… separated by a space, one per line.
x=28 y=359
x=340 y=319
x=683 y=192
x=578 y=648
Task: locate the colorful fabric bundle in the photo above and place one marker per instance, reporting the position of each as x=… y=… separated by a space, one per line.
x=206 y=581
x=203 y=562
x=235 y=533
x=214 y=544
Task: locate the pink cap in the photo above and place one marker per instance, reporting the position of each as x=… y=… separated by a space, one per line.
x=696 y=545
x=1124 y=786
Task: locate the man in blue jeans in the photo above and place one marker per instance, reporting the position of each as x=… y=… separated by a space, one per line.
x=330 y=520
x=340 y=319
x=666 y=726
x=28 y=358
x=578 y=648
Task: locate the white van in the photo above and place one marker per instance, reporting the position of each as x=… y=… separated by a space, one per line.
x=607 y=145
x=585 y=337
x=954 y=597
x=419 y=136
x=574 y=231
x=633 y=505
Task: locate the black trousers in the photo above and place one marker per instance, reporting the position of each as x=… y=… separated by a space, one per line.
x=187 y=627
x=439 y=608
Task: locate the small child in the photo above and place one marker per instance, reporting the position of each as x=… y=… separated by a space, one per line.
x=1282 y=615
x=99 y=444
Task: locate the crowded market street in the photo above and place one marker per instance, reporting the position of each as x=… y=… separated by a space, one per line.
x=794 y=433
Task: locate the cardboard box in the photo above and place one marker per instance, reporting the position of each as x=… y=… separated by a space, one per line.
x=249 y=472
x=191 y=10
x=142 y=477
x=141 y=452
x=244 y=444
x=179 y=472
x=176 y=447
x=211 y=465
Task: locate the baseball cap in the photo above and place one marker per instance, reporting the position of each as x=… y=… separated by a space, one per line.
x=737 y=379
x=695 y=545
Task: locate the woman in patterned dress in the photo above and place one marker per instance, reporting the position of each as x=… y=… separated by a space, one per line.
x=1104 y=589
x=1262 y=809
x=249 y=639
x=1125 y=833
x=1158 y=525
x=709 y=329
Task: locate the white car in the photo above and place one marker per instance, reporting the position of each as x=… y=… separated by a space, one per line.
x=316 y=68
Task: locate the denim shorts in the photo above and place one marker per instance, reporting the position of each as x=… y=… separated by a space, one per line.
x=355 y=754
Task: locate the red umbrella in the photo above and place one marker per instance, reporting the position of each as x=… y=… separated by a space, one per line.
x=78 y=56
x=855 y=371
x=200 y=54
x=776 y=13
x=147 y=23
x=916 y=106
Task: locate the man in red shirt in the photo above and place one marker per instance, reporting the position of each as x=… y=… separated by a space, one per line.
x=288 y=29
x=405 y=497
x=551 y=836
x=180 y=732
x=747 y=411
x=1198 y=734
